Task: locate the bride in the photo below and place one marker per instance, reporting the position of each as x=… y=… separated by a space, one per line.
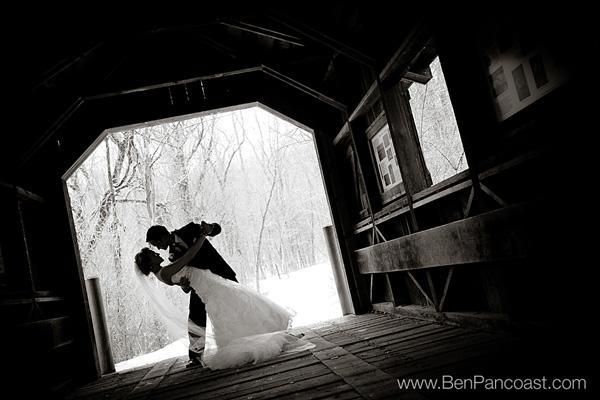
x=247 y=326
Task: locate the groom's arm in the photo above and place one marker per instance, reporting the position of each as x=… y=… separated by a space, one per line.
x=193 y=229
x=168 y=271
x=190 y=231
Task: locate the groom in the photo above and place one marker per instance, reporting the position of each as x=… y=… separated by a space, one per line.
x=178 y=241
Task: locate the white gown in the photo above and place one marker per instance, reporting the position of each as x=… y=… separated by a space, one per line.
x=247 y=326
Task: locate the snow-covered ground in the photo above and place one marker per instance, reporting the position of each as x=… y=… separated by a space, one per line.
x=176 y=349
x=310 y=292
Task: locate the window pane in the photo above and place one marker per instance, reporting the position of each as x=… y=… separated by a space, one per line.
x=391 y=170
x=386 y=139
x=436 y=126
x=381 y=152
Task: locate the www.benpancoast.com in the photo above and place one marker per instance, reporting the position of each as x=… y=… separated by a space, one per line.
x=481 y=382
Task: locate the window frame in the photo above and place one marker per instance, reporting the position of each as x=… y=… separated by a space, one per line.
x=397 y=191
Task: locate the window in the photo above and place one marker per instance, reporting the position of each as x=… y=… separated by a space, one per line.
x=385 y=158
x=436 y=126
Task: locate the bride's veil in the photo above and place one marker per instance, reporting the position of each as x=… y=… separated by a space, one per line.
x=253 y=348
x=175 y=320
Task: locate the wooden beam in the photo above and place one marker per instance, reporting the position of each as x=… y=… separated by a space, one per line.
x=405 y=139
x=441 y=194
x=410 y=76
x=30 y=300
x=382 y=219
x=63 y=65
x=493 y=195
x=446 y=286
x=467 y=209
x=433 y=193
x=418 y=285
x=495 y=170
x=501 y=234
x=401 y=61
x=22 y=193
x=341 y=134
x=327 y=41
x=258 y=30
x=49 y=133
x=446 y=188
x=407 y=52
x=228 y=51
x=357 y=283
x=446 y=184
x=432 y=290
x=370 y=97
x=380 y=234
x=390 y=289
x=81 y=100
x=406 y=144
x=303 y=88
x=176 y=83
x=362 y=180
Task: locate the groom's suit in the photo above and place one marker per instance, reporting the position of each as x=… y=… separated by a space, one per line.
x=206 y=258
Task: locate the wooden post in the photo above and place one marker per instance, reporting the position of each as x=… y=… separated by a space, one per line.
x=357 y=283
x=365 y=187
x=418 y=285
x=105 y=358
x=406 y=143
x=432 y=290
x=493 y=195
x=339 y=274
x=446 y=286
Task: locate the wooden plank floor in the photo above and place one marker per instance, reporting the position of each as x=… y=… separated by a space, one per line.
x=355 y=357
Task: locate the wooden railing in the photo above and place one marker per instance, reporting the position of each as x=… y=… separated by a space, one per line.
x=508 y=233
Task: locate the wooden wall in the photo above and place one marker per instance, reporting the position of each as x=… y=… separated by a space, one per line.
x=461 y=243
x=533 y=159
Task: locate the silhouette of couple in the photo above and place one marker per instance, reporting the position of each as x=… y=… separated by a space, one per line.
x=247 y=326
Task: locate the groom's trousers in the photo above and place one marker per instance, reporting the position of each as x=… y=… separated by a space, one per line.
x=197 y=316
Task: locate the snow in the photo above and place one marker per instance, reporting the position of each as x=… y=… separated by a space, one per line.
x=309 y=292
x=176 y=349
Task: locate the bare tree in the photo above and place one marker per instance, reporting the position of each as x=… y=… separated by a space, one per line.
x=257 y=176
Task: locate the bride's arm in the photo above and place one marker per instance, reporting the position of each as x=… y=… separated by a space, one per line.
x=168 y=271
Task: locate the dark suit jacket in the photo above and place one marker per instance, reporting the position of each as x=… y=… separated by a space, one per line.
x=206 y=258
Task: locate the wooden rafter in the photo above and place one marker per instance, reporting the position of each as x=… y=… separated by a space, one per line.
x=261 y=31
x=316 y=36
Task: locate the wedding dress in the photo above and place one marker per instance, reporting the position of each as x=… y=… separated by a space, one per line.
x=247 y=326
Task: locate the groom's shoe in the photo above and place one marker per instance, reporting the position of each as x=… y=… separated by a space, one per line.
x=194 y=360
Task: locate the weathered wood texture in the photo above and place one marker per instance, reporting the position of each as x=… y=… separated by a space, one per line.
x=502 y=234
x=356 y=357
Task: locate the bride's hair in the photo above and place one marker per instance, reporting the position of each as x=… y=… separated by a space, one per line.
x=142 y=260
